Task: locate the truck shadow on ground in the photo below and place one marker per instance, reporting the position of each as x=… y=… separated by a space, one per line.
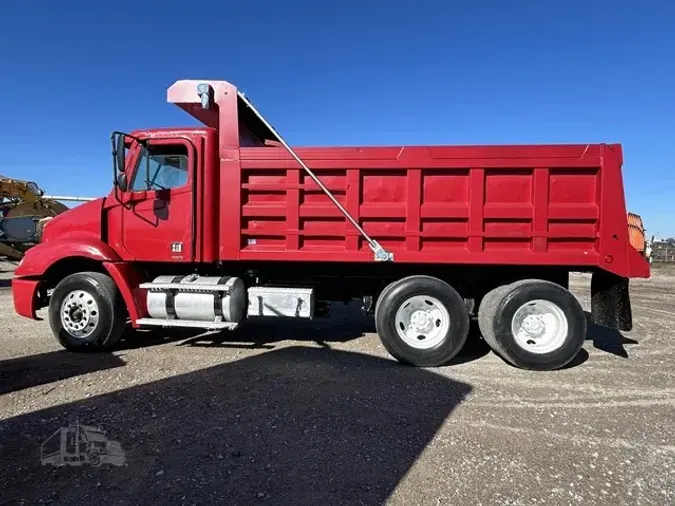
x=474 y=348
x=34 y=370
x=289 y=426
x=607 y=339
x=345 y=323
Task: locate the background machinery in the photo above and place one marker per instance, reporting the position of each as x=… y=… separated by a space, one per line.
x=23 y=211
x=637 y=236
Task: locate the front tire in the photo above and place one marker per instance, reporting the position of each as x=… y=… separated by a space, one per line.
x=86 y=312
x=422 y=321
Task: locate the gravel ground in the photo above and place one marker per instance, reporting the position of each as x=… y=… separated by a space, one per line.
x=318 y=413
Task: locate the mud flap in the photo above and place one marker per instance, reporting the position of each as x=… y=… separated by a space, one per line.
x=610 y=301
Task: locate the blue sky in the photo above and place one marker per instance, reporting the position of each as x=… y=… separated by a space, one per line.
x=345 y=73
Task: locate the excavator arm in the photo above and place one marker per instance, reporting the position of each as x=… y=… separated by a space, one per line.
x=23 y=212
x=24 y=190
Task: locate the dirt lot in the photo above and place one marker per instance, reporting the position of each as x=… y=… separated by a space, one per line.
x=319 y=414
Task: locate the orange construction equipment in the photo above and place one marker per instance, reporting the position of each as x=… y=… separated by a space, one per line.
x=637 y=236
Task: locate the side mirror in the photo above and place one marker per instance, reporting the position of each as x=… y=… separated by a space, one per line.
x=122 y=181
x=119 y=153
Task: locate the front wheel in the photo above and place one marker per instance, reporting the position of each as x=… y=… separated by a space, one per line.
x=86 y=312
x=422 y=321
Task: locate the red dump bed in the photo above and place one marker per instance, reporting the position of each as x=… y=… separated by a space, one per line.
x=557 y=205
x=545 y=205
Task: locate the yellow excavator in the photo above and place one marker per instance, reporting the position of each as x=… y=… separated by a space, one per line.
x=23 y=211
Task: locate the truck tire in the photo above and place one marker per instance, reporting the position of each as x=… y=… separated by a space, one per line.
x=382 y=296
x=486 y=314
x=533 y=324
x=86 y=312
x=94 y=458
x=422 y=321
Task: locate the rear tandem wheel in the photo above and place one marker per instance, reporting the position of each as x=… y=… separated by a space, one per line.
x=533 y=324
x=421 y=321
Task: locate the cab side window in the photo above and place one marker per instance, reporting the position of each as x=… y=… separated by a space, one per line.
x=161 y=168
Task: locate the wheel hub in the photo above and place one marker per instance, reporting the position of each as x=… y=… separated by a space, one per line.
x=79 y=313
x=539 y=326
x=534 y=325
x=422 y=322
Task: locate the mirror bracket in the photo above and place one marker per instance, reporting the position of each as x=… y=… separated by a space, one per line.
x=121 y=181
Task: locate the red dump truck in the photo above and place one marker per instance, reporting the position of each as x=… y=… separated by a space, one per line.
x=207 y=227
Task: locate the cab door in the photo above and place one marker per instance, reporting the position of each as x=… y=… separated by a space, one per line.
x=158 y=214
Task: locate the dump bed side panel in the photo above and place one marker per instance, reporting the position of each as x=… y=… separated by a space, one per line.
x=473 y=205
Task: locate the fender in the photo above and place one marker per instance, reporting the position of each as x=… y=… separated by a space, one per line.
x=41 y=257
x=128 y=278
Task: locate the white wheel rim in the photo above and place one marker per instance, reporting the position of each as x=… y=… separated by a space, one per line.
x=539 y=326
x=79 y=314
x=422 y=322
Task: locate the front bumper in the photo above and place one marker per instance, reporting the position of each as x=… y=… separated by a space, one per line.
x=25 y=293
